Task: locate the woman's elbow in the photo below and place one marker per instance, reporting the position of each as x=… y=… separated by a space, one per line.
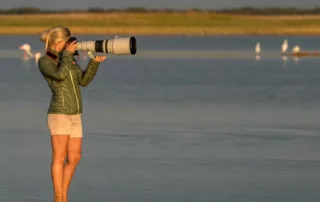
x=84 y=84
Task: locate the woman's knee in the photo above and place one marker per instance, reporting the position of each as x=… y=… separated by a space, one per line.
x=59 y=157
x=74 y=159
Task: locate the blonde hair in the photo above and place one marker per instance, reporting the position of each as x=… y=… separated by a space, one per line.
x=55 y=35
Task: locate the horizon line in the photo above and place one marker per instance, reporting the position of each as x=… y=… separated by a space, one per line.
x=163 y=9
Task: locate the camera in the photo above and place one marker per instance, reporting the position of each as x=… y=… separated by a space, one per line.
x=117 y=46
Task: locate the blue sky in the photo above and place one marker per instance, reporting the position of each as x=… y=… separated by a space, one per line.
x=210 y=4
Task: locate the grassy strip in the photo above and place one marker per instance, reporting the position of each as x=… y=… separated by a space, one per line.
x=162 y=24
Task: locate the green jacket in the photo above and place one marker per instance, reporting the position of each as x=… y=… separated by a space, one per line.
x=64 y=80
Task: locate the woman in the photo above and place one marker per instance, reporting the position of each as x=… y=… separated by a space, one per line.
x=64 y=77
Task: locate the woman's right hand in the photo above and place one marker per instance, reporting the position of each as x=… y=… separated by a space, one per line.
x=72 y=46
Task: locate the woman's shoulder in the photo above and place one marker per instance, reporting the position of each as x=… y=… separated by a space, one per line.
x=45 y=59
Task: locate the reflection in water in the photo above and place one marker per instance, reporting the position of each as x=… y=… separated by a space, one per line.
x=175 y=54
x=296 y=60
x=27 y=64
x=284 y=58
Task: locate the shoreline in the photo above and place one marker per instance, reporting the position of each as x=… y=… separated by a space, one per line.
x=165 y=31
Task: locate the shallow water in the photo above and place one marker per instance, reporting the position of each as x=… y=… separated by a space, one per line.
x=186 y=119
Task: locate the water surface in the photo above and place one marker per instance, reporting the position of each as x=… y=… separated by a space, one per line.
x=186 y=119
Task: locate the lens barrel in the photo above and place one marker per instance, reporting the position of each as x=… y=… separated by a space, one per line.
x=117 y=46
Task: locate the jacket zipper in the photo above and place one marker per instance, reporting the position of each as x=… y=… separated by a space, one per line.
x=74 y=88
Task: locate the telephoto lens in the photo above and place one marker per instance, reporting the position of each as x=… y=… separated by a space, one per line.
x=117 y=46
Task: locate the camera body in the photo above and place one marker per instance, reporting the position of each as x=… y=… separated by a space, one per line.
x=70 y=40
x=117 y=46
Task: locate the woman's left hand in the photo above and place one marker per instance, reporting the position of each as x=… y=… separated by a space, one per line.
x=99 y=58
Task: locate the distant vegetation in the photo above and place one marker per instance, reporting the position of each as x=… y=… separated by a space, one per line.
x=141 y=21
x=241 y=11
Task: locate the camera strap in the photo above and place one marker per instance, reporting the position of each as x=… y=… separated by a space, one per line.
x=53 y=56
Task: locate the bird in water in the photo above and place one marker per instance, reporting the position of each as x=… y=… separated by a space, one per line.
x=258 y=51
x=296 y=49
x=284 y=46
x=26 y=48
x=27 y=53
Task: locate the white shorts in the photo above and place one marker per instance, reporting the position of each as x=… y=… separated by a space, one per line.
x=61 y=124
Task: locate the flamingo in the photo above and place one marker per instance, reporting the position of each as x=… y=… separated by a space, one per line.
x=27 y=53
x=26 y=48
x=258 y=48
x=296 y=49
x=284 y=46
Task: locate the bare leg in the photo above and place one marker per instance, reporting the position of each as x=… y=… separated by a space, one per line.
x=74 y=155
x=59 y=154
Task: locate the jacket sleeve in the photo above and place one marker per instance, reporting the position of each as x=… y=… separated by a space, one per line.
x=87 y=76
x=59 y=73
